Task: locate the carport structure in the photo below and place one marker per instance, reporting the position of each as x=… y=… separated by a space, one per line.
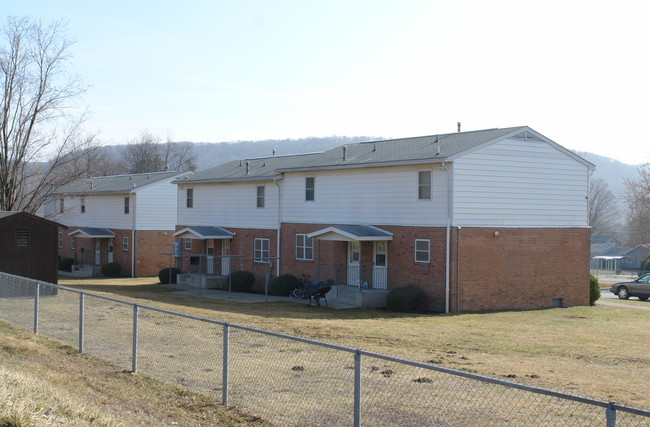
x=356 y=237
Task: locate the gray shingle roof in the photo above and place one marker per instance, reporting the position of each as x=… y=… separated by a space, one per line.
x=422 y=149
x=114 y=183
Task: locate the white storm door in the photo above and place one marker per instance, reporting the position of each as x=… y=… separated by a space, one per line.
x=354 y=266
x=98 y=253
x=209 y=259
x=379 y=268
x=110 y=250
x=225 y=259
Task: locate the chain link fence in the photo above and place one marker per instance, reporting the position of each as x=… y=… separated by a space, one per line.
x=285 y=379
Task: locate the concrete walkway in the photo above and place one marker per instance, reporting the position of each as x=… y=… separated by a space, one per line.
x=610 y=303
x=245 y=297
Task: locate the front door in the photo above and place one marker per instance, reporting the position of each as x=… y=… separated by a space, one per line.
x=379 y=270
x=225 y=257
x=98 y=252
x=110 y=250
x=209 y=259
x=354 y=265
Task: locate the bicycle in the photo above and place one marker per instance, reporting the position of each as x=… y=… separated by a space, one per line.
x=299 y=291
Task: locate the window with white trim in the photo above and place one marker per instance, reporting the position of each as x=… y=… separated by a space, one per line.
x=260 y=196
x=61 y=206
x=261 y=250
x=188 y=244
x=304 y=247
x=73 y=242
x=125 y=243
x=422 y=250
x=310 y=189
x=424 y=185
x=189 y=200
x=126 y=205
x=83 y=205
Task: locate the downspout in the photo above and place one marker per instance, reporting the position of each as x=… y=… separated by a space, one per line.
x=448 y=236
x=132 y=192
x=458 y=271
x=277 y=261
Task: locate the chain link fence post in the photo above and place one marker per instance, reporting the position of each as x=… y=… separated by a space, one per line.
x=81 y=323
x=134 y=359
x=226 y=339
x=37 y=293
x=357 y=389
x=610 y=415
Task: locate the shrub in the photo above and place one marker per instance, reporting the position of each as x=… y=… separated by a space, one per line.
x=163 y=275
x=112 y=269
x=242 y=281
x=409 y=299
x=65 y=264
x=594 y=289
x=645 y=266
x=283 y=285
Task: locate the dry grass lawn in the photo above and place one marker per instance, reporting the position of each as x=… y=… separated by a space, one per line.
x=43 y=382
x=598 y=352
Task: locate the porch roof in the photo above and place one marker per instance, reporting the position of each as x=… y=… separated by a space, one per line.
x=352 y=233
x=93 y=233
x=204 y=233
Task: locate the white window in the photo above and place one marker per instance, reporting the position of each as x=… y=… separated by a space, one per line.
x=304 y=247
x=424 y=185
x=126 y=205
x=73 y=242
x=60 y=239
x=260 y=196
x=261 y=253
x=189 y=202
x=125 y=243
x=422 y=249
x=188 y=244
x=83 y=205
x=61 y=206
x=310 y=188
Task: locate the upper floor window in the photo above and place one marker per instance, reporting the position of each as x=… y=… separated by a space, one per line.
x=126 y=205
x=189 y=201
x=260 y=196
x=261 y=252
x=424 y=185
x=61 y=206
x=310 y=188
x=422 y=250
x=304 y=247
x=83 y=205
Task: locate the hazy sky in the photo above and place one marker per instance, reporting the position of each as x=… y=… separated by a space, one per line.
x=211 y=71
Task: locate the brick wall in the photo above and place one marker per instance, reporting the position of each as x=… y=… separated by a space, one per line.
x=521 y=268
x=150 y=245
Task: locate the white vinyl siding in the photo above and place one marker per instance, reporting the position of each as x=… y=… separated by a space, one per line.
x=156 y=206
x=520 y=183
x=378 y=196
x=104 y=211
x=230 y=205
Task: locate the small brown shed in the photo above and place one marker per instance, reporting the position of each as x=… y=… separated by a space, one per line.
x=28 y=246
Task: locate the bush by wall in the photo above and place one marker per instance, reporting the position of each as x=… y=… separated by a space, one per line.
x=163 y=275
x=65 y=264
x=409 y=299
x=112 y=269
x=283 y=285
x=242 y=281
x=594 y=289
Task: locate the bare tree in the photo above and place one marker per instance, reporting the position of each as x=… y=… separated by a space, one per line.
x=637 y=196
x=39 y=138
x=147 y=153
x=603 y=212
